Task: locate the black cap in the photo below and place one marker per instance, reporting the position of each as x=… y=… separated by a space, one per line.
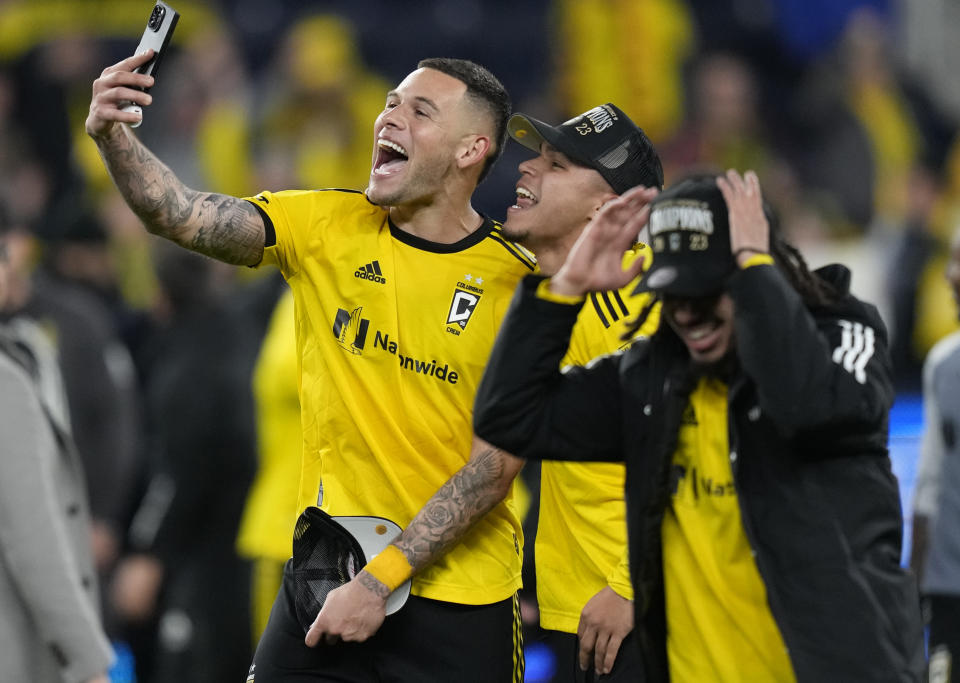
x=604 y=139
x=690 y=239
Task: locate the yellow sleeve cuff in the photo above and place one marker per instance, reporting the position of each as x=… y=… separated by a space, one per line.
x=390 y=567
x=543 y=292
x=757 y=260
x=624 y=590
x=619 y=577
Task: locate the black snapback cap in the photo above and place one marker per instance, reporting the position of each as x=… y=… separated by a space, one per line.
x=604 y=139
x=690 y=239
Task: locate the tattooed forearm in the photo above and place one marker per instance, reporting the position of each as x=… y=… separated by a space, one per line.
x=373 y=584
x=466 y=497
x=222 y=227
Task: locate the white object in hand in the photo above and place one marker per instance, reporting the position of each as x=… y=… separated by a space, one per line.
x=134 y=109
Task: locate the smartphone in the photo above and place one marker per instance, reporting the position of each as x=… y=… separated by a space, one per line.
x=156 y=36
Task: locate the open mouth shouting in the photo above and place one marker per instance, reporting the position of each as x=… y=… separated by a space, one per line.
x=525 y=198
x=391 y=158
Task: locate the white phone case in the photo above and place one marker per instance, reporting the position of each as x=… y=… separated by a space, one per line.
x=156 y=36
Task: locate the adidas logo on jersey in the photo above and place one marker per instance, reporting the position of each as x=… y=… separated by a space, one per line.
x=371 y=272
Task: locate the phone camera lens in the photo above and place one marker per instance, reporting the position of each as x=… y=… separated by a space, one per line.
x=156 y=18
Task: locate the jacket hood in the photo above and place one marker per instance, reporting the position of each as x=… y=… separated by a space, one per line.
x=837 y=275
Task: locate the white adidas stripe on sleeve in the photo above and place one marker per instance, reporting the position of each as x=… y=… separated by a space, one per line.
x=857 y=345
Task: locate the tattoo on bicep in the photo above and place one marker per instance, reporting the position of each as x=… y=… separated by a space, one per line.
x=469 y=494
x=230 y=229
x=374 y=584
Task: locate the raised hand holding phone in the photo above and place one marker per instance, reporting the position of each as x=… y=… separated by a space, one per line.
x=156 y=36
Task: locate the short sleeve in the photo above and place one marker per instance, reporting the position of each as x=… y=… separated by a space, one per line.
x=287 y=216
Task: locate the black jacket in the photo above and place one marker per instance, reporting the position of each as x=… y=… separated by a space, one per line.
x=808 y=411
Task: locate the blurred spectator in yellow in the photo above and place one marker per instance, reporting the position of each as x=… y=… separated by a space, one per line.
x=313 y=124
x=877 y=100
x=126 y=253
x=724 y=128
x=182 y=569
x=271 y=511
x=908 y=131
x=628 y=51
x=920 y=298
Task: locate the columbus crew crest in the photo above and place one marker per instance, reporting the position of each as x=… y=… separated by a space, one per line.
x=466 y=296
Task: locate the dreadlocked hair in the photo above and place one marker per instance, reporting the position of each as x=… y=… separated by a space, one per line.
x=815 y=291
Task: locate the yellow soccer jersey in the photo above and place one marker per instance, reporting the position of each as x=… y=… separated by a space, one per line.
x=393 y=333
x=581 y=541
x=271 y=510
x=719 y=625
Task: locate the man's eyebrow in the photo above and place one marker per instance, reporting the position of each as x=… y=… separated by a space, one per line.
x=419 y=98
x=427 y=101
x=548 y=150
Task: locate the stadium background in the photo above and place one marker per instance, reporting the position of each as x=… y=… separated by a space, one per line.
x=847 y=109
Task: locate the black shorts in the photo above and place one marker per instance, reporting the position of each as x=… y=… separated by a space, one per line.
x=566 y=648
x=427 y=640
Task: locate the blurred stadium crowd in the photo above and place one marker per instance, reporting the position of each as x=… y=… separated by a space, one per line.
x=847 y=109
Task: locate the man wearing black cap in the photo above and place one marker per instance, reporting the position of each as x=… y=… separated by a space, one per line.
x=764 y=521
x=582 y=574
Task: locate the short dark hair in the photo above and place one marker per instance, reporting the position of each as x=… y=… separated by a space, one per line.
x=485 y=89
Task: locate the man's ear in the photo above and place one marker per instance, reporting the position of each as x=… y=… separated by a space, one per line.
x=603 y=198
x=598 y=199
x=473 y=150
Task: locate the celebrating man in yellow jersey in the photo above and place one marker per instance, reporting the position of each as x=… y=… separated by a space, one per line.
x=398 y=293
x=583 y=579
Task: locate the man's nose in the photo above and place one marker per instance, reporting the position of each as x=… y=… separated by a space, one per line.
x=685 y=306
x=392 y=118
x=530 y=166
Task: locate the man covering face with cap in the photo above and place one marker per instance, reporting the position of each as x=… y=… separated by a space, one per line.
x=690 y=237
x=764 y=521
